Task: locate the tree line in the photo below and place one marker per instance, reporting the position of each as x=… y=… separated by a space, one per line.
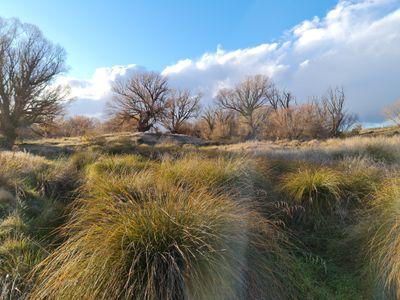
x=31 y=104
x=254 y=108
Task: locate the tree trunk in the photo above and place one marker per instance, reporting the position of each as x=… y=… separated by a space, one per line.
x=143 y=127
x=253 y=127
x=10 y=135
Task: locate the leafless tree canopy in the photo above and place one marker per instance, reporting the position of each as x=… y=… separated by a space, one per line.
x=28 y=66
x=280 y=99
x=246 y=98
x=142 y=97
x=79 y=126
x=209 y=117
x=392 y=112
x=332 y=106
x=181 y=106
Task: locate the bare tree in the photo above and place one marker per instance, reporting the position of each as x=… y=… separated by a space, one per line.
x=209 y=117
x=142 y=98
x=115 y=124
x=392 y=112
x=246 y=98
x=332 y=106
x=280 y=99
x=28 y=65
x=79 y=126
x=181 y=106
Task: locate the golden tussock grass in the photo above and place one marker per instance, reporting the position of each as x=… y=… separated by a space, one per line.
x=379 y=231
x=163 y=233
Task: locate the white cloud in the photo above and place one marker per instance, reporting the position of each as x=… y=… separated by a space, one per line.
x=356 y=45
x=90 y=96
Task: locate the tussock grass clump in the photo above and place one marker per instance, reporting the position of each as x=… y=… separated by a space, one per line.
x=7 y=202
x=359 y=185
x=190 y=171
x=153 y=238
x=380 y=231
x=12 y=225
x=317 y=189
x=65 y=176
x=20 y=164
x=18 y=256
x=122 y=165
x=200 y=171
x=381 y=153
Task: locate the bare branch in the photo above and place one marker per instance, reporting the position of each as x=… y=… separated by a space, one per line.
x=28 y=65
x=181 y=106
x=392 y=112
x=142 y=97
x=246 y=98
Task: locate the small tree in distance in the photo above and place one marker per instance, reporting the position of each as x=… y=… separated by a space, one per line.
x=79 y=126
x=180 y=107
x=392 y=112
x=246 y=98
x=142 y=97
x=209 y=119
x=333 y=109
x=29 y=64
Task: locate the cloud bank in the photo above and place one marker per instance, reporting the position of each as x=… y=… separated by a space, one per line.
x=356 y=45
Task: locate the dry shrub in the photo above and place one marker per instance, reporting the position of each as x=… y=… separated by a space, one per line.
x=296 y=122
x=285 y=123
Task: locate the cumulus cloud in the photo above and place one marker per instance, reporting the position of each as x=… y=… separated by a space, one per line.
x=356 y=45
x=90 y=96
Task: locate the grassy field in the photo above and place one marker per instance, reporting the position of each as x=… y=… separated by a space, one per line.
x=127 y=217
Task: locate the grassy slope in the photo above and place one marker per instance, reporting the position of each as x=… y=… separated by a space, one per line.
x=327 y=259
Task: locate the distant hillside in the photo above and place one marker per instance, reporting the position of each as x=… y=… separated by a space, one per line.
x=381 y=131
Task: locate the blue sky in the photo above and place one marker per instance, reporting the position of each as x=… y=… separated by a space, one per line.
x=157 y=33
x=303 y=46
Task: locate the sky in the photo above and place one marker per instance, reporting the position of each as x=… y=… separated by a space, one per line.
x=305 y=46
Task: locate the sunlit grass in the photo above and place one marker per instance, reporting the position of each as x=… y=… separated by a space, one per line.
x=379 y=232
x=317 y=189
x=162 y=239
x=133 y=221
